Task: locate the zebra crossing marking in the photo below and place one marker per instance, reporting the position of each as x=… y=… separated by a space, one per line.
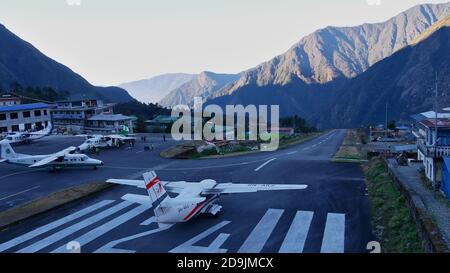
x=261 y=233
x=294 y=242
x=334 y=234
x=101 y=230
x=41 y=230
x=55 y=237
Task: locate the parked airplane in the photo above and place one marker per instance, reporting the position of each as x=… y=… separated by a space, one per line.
x=62 y=159
x=106 y=141
x=27 y=137
x=100 y=141
x=192 y=199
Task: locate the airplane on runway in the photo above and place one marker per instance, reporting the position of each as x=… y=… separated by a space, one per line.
x=63 y=159
x=192 y=199
x=27 y=137
x=106 y=141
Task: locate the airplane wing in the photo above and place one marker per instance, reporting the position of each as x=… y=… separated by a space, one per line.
x=136 y=198
x=46 y=161
x=53 y=157
x=174 y=187
x=128 y=182
x=227 y=188
x=121 y=137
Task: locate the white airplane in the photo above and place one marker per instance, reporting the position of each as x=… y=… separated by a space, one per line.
x=27 y=137
x=63 y=159
x=192 y=199
x=100 y=141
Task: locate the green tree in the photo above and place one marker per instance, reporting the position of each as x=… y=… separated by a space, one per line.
x=141 y=126
x=391 y=125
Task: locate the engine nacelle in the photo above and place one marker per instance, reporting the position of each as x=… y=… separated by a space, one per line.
x=208 y=184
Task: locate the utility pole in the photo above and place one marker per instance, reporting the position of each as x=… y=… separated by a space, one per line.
x=386 y=120
x=435 y=136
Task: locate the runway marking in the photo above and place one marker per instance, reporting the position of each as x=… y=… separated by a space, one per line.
x=292 y=153
x=214 y=247
x=17 y=173
x=19 y=193
x=294 y=242
x=101 y=230
x=109 y=248
x=149 y=221
x=185 y=169
x=72 y=229
x=334 y=234
x=32 y=234
x=261 y=233
x=264 y=164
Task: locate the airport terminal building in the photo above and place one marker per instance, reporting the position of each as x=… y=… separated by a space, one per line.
x=88 y=116
x=24 y=117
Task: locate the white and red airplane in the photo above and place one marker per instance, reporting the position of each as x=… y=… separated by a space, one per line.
x=192 y=199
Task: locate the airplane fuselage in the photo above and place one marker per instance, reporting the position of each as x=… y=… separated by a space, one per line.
x=183 y=212
x=70 y=160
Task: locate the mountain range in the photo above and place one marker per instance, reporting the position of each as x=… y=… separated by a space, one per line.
x=342 y=52
x=320 y=77
x=21 y=63
x=155 y=89
x=334 y=77
x=204 y=85
x=405 y=82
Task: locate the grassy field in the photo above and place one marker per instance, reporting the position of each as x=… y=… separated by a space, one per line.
x=284 y=142
x=391 y=218
x=350 y=150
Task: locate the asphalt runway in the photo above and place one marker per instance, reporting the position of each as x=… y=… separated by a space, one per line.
x=330 y=216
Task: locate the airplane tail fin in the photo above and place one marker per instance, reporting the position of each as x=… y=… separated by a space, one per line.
x=154 y=187
x=7 y=151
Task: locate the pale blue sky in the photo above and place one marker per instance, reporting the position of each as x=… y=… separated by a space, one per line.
x=113 y=41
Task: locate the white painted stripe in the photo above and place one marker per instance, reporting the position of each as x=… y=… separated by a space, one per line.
x=72 y=229
x=294 y=242
x=32 y=234
x=264 y=164
x=261 y=233
x=101 y=230
x=291 y=153
x=334 y=234
x=19 y=193
x=189 y=247
x=149 y=221
x=109 y=248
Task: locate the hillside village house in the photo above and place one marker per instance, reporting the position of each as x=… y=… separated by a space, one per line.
x=9 y=100
x=24 y=117
x=160 y=123
x=108 y=123
x=432 y=147
x=88 y=116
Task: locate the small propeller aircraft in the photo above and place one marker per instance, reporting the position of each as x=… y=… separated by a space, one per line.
x=192 y=199
x=27 y=137
x=63 y=159
x=106 y=141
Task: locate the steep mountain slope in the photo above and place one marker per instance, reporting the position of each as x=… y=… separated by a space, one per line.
x=154 y=89
x=21 y=62
x=341 y=52
x=204 y=85
x=405 y=81
x=440 y=24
